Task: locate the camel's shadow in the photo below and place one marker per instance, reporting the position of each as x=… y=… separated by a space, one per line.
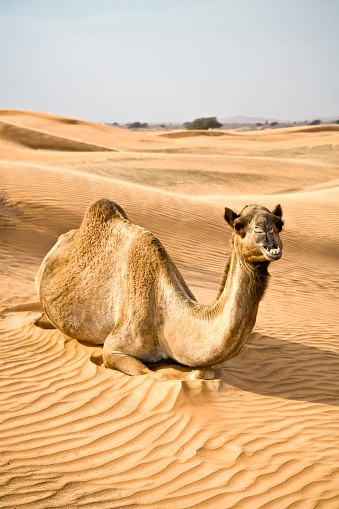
x=284 y=369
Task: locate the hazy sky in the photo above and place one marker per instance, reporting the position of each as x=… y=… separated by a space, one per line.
x=170 y=60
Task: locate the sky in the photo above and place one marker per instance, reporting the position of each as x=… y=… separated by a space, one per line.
x=170 y=60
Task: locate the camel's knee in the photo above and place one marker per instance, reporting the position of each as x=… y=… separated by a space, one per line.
x=202 y=374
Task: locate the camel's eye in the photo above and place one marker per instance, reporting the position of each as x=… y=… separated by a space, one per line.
x=270 y=230
x=258 y=230
x=238 y=225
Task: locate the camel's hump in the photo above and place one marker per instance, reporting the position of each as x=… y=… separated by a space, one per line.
x=102 y=210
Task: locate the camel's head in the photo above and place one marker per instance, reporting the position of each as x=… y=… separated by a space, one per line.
x=256 y=232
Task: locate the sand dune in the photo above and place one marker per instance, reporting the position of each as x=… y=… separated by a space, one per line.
x=193 y=132
x=104 y=136
x=264 y=433
x=324 y=128
x=31 y=138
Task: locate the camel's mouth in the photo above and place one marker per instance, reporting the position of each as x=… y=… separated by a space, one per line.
x=272 y=253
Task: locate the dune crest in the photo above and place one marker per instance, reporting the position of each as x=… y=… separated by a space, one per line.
x=264 y=432
x=34 y=139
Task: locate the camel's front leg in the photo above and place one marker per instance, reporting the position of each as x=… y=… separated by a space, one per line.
x=128 y=365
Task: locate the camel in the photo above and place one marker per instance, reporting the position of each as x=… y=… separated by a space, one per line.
x=112 y=283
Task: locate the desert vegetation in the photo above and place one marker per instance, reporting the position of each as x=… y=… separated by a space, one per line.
x=3 y=198
x=138 y=125
x=203 y=123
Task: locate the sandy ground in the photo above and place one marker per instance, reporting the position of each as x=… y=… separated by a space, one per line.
x=265 y=432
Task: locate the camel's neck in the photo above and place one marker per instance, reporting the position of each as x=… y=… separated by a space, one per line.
x=218 y=332
x=245 y=282
x=242 y=287
x=224 y=277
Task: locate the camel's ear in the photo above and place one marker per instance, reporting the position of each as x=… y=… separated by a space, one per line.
x=277 y=211
x=230 y=216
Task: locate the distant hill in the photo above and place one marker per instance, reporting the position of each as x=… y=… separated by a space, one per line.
x=263 y=120
x=247 y=120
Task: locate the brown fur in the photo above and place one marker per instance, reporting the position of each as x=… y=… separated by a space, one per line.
x=112 y=282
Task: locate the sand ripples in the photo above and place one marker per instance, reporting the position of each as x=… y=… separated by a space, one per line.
x=76 y=435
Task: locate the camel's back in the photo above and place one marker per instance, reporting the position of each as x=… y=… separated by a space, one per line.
x=81 y=280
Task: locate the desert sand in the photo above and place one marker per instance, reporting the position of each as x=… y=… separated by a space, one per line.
x=265 y=432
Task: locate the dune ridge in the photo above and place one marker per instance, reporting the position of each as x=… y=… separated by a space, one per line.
x=323 y=128
x=263 y=434
x=34 y=139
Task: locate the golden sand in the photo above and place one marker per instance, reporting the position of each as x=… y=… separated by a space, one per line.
x=265 y=433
